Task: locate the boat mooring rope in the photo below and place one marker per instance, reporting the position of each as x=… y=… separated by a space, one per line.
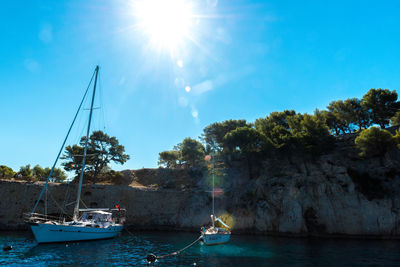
x=128 y=231
x=152 y=258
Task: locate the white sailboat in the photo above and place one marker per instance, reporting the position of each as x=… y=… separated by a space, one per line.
x=215 y=235
x=86 y=224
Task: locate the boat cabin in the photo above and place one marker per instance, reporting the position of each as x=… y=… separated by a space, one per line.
x=96 y=216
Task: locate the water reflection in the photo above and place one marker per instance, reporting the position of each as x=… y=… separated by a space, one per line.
x=127 y=250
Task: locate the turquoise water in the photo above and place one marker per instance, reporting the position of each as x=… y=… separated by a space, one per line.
x=127 y=250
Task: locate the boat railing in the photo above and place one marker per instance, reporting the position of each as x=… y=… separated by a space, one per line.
x=37 y=217
x=103 y=209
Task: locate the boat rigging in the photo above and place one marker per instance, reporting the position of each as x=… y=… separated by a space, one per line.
x=86 y=224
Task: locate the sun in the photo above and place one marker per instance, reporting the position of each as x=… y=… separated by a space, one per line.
x=167 y=23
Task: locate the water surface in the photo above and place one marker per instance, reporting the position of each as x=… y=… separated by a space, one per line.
x=127 y=250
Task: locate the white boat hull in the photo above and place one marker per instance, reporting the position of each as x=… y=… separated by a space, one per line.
x=49 y=233
x=214 y=239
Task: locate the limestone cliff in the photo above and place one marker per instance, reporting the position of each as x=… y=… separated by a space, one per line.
x=335 y=194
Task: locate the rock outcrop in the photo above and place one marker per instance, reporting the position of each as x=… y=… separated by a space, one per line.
x=336 y=194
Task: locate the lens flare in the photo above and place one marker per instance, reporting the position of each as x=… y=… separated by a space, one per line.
x=180 y=63
x=228 y=219
x=218 y=180
x=218 y=192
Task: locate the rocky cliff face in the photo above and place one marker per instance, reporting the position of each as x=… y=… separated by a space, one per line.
x=336 y=194
x=147 y=208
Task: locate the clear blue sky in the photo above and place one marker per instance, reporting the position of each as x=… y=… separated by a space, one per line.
x=243 y=60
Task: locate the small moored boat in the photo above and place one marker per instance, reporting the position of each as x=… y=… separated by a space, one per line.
x=215 y=235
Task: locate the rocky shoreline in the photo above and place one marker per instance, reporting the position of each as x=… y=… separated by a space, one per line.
x=338 y=194
x=318 y=199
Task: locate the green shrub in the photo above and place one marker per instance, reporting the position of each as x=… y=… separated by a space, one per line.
x=374 y=142
x=397 y=138
x=6 y=172
x=26 y=171
x=116 y=177
x=395 y=120
x=106 y=177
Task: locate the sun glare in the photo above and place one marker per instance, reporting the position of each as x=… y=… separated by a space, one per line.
x=166 y=23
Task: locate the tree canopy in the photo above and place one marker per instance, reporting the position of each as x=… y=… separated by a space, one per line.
x=102 y=149
x=357 y=114
x=287 y=132
x=6 y=172
x=347 y=115
x=248 y=143
x=41 y=174
x=26 y=171
x=37 y=173
x=311 y=134
x=246 y=140
x=213 y=135
x=169 y=159
x=190 y=153
x=276 y=129
x=382 y=105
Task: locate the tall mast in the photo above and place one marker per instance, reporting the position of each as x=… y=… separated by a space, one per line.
x=78 y=198
x=213 y=168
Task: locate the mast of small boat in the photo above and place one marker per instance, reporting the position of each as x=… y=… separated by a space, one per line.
x=78 y=198
x=213 y=178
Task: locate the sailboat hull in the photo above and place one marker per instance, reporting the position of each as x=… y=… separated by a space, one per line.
x=215 y=239
x=50 y=233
